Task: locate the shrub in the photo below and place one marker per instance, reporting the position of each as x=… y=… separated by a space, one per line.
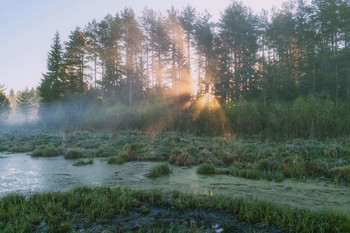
x=206 y=169
x=73 y=154
x=159 y=170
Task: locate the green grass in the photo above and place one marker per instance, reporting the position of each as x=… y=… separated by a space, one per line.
x=73 y=154
x=116 y=160
x=297 y=159
x=47 y=151
x=58 y=211
x=246 y=173
x=341 y=174
x=159 y=170
x=206 y=169
x=83 y=163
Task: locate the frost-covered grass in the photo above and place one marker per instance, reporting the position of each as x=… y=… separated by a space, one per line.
x=296 y=159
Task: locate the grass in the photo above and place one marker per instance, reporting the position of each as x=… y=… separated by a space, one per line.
x=47 y=151
x=116 y=160
x=73 y=154
x=159 y=170
x=341 y=174
x=83 y=206
x=83 y=163
x=206 y=169
x=246 y=173
x=249 y=173
x=296 y=159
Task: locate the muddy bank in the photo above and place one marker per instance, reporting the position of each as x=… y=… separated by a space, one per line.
x=167 y=219
x=20 y=172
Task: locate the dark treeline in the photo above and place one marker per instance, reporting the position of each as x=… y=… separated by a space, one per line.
x=282 y=74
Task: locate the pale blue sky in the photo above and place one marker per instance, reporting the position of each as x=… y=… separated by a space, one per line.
x=28 y=26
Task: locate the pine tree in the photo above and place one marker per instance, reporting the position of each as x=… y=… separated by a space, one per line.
x=26 y=102
x=52 y=86
x=4 y=105
x=187 y=19
x=76 y=62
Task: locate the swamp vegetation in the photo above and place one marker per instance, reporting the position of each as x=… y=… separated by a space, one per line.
x=325 y=163
x=296 y=159
x=94 y=209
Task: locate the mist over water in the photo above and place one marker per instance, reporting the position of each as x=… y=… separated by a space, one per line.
x=22 y=173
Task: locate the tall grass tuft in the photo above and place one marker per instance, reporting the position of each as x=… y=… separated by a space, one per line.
x=159 y=170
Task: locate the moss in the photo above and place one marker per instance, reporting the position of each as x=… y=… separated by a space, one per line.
x=159 y=170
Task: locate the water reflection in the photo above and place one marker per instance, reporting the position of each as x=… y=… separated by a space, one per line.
x=20 y=172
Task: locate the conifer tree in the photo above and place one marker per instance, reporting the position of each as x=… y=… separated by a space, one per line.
x=26 y=102
x=4 y=104
x=52 y=86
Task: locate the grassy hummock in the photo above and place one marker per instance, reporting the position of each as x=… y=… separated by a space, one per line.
x=159 y=170
x=83 y=207
x=73 y=154
x=297 y=159
x=83 y=163
x=116 y=160
x=206 y=169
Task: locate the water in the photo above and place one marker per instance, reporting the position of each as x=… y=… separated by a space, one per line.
x=22 y=173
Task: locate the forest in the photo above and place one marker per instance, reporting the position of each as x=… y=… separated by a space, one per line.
x=176 y=122
x=282 y=73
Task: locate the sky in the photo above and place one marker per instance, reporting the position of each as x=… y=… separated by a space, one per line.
x=27 y=28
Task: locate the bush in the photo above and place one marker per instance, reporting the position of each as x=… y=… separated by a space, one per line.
x=159 y=170
x=206 y=169
x=73 y=154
